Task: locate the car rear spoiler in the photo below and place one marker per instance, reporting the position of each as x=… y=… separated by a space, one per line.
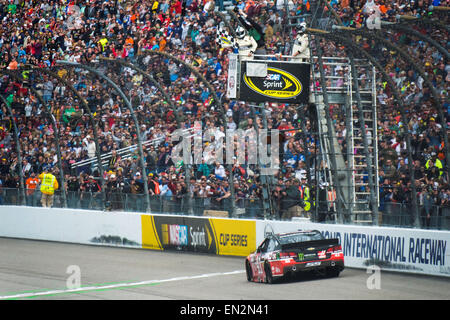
x=312 y=243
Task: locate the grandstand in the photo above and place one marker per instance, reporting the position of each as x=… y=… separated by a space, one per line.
x=96 y=91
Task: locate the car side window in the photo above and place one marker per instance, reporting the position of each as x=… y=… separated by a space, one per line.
x=263 y=247
x=272 y=245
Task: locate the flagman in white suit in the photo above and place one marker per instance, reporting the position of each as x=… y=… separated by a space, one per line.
x=300 y=47
x=246 y=44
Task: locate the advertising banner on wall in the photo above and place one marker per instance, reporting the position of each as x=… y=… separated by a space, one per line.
x=177 y=232
x=274 y=81
x=209 y=235
x=234 y=237
x=394 y=249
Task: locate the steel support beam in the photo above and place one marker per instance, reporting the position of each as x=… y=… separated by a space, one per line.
x=88 y=110
x=133 y=116
x=172 y=106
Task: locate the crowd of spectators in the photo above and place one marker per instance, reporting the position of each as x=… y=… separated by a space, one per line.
x=39 y=33
x=424 y=122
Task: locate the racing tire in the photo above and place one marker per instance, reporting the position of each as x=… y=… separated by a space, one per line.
x=332 y=272
x=248 y=271
x=268 y=272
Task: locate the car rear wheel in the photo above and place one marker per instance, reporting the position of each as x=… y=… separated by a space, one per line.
x=249 y=271
x=332 y=272
x=268 y=272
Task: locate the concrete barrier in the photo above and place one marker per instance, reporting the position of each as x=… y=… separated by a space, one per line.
x=394 y=249
x=71 y=225
x=219 y=236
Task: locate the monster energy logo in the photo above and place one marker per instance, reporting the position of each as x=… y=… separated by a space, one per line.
x=301 y=256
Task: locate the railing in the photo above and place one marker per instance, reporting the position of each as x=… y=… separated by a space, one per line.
x=124 y=153
x=391 y=213
x=130 y=202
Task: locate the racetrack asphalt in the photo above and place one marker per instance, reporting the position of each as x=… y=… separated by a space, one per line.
x=49 y=270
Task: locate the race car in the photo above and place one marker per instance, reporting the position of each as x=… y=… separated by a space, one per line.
x=285 y=254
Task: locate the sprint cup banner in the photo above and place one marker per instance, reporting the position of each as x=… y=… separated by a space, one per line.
x=282 y=82
x=209 y=235
x=234 y=237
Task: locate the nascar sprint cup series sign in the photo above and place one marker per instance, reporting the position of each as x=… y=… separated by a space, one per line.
x=199 y=234
x=273 y=81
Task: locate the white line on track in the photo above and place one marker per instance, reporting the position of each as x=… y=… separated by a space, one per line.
x=117 y=285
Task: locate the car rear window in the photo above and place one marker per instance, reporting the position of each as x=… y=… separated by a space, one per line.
x=300 y=237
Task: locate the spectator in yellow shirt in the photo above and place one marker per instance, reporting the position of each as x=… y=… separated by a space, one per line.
x=48 y=186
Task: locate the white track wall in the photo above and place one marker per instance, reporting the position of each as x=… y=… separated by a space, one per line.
x=402 y=250
x=69 y=225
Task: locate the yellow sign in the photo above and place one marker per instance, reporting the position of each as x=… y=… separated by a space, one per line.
x=213 y=235
x=277 y=84
x=150 y=239
x=234 y=237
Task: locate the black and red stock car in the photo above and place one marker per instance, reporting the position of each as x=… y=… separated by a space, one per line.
x=288 y=253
